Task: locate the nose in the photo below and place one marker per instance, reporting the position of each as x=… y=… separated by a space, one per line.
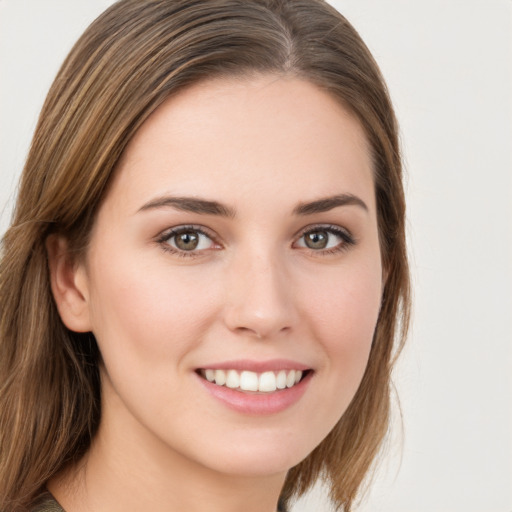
x=259 y=297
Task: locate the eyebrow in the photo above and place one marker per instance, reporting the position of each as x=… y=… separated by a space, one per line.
x=190 y=204
x=328 y=203
x=206 y=207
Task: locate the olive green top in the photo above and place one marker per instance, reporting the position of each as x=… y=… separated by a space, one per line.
x=47 y=503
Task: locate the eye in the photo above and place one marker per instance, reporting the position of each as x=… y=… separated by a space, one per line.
x=328 y=239
x=186 y=239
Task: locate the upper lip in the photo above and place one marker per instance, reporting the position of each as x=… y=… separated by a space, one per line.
x=271 y=365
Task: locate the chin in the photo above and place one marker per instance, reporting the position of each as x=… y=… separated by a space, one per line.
x=256 y=458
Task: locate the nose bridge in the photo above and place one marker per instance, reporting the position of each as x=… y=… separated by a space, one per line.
x=259 y=293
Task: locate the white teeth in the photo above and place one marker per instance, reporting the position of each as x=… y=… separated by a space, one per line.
x=249 y=381
x=220 y=377
x=233 y=379
x=266 y=382
x=281 y=380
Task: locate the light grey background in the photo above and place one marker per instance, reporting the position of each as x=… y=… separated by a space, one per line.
x=448 y=64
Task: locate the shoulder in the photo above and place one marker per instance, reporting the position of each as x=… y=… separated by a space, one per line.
x=46 y=503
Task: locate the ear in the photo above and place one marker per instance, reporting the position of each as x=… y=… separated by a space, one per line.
x=69 y=285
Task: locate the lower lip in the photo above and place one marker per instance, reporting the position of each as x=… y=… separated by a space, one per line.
x=257 y=403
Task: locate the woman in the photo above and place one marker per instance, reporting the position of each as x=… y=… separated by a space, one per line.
x=205 y=282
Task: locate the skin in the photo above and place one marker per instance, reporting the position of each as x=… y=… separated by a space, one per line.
x=253 y=290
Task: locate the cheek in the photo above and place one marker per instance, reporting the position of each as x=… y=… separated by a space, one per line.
x=344 y=312
x=147 y=312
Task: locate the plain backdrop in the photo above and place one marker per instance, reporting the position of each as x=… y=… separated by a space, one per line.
x=448 y=64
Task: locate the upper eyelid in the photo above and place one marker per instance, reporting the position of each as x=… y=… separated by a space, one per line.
x=167 y=233
x=326 y=227
x=209 y=232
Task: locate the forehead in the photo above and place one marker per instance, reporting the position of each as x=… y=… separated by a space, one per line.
x=267 y=135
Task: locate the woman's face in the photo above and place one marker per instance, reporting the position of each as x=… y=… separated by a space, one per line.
x=238 y=241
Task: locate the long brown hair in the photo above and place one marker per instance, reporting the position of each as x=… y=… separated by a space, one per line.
x=126 y=64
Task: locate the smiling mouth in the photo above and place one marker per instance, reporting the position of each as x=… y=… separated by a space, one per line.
x=265 y=382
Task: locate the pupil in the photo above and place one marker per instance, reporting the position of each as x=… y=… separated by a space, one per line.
x=317 y=240
x=187 y=241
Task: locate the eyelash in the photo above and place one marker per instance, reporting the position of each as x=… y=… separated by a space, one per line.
x=164 y=238
x=347 y=240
